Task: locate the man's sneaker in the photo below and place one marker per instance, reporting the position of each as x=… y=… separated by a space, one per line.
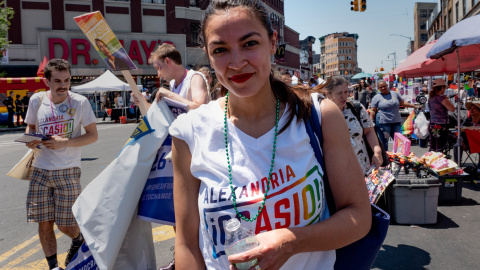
x=57 y=268
x=71 y=252
x=170 y=266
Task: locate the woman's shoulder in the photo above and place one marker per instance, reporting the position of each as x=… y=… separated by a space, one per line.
x=204 y=112
x=195 y=120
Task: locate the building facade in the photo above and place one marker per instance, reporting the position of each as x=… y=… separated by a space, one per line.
x=306 y=57
x=291 y=61
x=340 y=56
x=421 y=13
x=449 y=12
x=47 y=28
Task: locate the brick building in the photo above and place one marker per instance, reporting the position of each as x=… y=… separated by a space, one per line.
x=339 y=56
x=46 y=28
x=446 y=13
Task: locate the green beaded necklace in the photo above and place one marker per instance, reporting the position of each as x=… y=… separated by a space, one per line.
x=234 y=197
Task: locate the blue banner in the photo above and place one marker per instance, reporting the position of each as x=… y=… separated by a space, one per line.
x=156 y=201
x=83 y=260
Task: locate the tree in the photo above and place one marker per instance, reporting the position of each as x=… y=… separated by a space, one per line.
x=6 y=14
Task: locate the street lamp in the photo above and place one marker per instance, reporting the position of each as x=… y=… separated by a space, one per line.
x=409 y=44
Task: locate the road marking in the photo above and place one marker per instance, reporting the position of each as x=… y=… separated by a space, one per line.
x=40 y=264
x=162 y=233
x=27 y=254
x=17 y=248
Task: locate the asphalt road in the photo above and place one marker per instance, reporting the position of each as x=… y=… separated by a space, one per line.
x=452 y=243
x=19 y=245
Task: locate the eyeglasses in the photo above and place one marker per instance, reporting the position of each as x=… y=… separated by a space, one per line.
x=381 y=87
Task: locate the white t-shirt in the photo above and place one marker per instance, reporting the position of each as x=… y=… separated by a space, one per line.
x=296 y=197
x=183 y=89
x=61 y=123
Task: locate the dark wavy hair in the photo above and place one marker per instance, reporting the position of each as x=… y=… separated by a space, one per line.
x=56 y=64
x=298 y=98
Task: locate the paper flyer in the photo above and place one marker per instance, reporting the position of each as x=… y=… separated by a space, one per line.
x=105 y=42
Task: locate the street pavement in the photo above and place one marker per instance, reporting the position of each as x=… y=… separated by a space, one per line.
x=452 y=243
x=19 y=245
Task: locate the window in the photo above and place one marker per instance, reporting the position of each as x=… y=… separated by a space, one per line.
x=195 y=30
x=154 y=1
x=424 y=37
x=349 y=58
x=456 y=11
x=464 y=7
x=342 y=66
x=423 y=13
x=193 y=3
x=349 y=65
x=342 y=58
x=423 y=25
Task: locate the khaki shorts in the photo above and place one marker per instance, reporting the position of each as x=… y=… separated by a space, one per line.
x=51 y=195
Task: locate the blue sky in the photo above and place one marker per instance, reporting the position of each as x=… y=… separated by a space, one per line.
x=383 y=17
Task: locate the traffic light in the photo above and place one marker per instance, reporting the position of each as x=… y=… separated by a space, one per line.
x=381 y=69
x=363 y=5
x=354 y=4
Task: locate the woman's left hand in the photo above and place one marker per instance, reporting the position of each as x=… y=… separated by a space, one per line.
x=274 y=250
x=377 y=160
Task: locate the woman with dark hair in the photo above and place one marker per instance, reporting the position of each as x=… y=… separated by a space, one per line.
x=439 y=105
x=247 y=155
x=359 y=123
x=113 y=63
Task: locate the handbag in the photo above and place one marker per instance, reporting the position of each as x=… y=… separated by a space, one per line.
x=362 y=253
x=22 y=169
x=354 y=106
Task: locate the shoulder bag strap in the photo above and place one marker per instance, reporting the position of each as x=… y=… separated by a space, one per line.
x=354 y=106
x=314 y=131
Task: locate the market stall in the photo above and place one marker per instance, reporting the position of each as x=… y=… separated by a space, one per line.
x=413 y=186
x=105 y=83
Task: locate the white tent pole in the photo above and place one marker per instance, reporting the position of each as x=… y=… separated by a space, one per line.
x=459 y=139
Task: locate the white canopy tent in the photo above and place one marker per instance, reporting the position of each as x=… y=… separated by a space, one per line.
x=104 y=83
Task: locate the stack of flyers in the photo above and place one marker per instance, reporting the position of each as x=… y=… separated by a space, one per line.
x=377 y=181
x=30 y=137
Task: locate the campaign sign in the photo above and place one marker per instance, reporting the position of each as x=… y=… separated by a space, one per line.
x=105 y=42
x=156 y=201
x=83 y=260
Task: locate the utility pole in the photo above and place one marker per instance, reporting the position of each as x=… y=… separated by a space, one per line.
x=394 y=59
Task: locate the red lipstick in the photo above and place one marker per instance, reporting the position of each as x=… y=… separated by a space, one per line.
x=241 y=78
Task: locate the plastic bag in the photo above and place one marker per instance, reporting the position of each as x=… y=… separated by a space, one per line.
x=420 y=128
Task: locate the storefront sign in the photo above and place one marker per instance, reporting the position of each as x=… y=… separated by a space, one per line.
x=74 y=47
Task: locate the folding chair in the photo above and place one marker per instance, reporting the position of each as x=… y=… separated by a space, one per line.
x=472 y=154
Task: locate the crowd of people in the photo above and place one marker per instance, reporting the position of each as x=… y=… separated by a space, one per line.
x=18 y=107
